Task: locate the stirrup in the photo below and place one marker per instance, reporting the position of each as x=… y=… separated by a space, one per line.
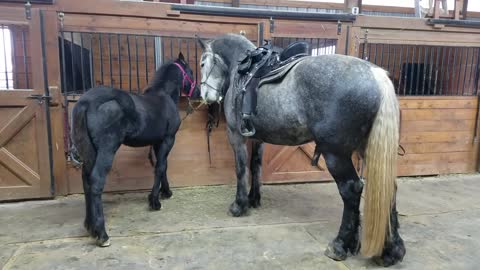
x=245 y=131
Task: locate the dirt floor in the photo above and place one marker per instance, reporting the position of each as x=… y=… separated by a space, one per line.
x=440 y=223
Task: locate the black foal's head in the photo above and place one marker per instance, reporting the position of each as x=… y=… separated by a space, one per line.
x=189 y=84
x=173 y=77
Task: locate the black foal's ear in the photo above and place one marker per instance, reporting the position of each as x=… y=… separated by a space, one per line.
x=181 y=57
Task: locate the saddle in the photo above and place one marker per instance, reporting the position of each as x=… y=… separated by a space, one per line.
x=266 y=62
x=263 y=65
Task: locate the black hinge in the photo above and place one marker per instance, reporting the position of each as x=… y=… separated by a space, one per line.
x=28 y=10
x=40 y=98
x=272 y=25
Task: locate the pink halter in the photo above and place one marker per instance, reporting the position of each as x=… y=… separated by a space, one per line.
x=193 y=83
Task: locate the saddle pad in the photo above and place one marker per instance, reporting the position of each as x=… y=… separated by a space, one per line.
x=280 y=72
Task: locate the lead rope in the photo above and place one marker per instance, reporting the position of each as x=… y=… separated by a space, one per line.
x=209 y=127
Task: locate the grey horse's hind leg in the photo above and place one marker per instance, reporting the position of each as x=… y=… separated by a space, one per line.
x=240 y=206
x=256 y=169
x=394 y=249
x=161 y=182
x=350 y=188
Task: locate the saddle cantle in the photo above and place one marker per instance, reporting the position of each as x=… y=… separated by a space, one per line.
x=279 y=72
x=295 y=49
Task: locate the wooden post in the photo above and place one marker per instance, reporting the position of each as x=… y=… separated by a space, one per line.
x=436 y=9
x=349 y=4
x=456 y=10
x=464 y=10
x=235 y=3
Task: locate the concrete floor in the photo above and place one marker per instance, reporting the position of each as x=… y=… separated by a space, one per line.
x=439 y=217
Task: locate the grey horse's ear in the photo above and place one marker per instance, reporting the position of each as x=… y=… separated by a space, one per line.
x=203 y=43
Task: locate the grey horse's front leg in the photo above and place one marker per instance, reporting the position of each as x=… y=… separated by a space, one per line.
x=240 y=206
x=256 y=168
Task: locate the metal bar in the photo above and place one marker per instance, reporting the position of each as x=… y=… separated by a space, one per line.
x=187 y=41
x=369 y=52
x=347 y=41
x=64 y=71
x=458 y=70
x=400 y=69
x=73 y=63
x=163 y=50
x=441 y=77
x=119 y=47
x=465 y=69
x=429 y=84
x=171 y=49
x=47 y=102
x=318 y=46
x=405 y=71
x=412 y=71
x=477 y=71
x=448 y=70
x=137 y=64
x=129 y=65
x=101 y=57
x=14 y=62
x=454 y=69
x=110 y=59
x=437 y=65
x=92 y=65
x=196 y=61
x=388 y=58
x=425 y=53
x=381 y=56
x=146 y=58
x=470 y=82
x=3 y=27
x=375 y=54
x=394 y=60
x=25 y=58
x=154 y=55
x=462 y=50
x=81 y=65
x=418 y=70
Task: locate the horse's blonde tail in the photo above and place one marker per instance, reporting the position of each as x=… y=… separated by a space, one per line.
x=381 y=161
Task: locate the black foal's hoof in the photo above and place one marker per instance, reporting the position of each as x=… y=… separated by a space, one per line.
x=238 y=210
x=335 y=251
x=254 y=200
x=154 y=202
x=166 y=194
x=103 y=242
x=89 y=228
x=391 y=255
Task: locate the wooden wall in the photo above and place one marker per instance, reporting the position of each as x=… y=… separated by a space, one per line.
x=438 y=135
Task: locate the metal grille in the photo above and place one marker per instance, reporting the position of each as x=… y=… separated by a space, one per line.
x=15 y=69
x=318 y=46
x=124 y=61
x=427 y=70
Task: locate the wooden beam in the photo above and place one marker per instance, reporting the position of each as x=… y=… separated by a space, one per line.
x=464 y=10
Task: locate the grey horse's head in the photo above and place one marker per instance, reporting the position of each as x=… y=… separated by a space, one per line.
x=219 y=58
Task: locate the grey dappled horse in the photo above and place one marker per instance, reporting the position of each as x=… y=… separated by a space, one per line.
x=343 y=104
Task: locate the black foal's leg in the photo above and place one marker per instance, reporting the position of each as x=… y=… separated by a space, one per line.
x=162 y=150
x=240 y=206
x=256 y=169
x=88 y=199
x=102 y=166
x=350 y=188
x=394 y=249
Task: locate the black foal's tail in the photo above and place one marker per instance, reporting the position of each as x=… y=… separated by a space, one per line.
x=80 y=135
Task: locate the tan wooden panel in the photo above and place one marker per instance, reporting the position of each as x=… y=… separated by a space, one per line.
x=440 y=114
x=433 y=103
x=441 y=136
x=438 y=147
x=438 y=125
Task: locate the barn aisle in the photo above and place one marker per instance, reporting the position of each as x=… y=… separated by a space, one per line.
x=439 y=223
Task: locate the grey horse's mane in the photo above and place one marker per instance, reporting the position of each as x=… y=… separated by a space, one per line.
x=230 y=46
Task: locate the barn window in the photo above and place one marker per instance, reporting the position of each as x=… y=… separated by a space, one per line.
x=427 y=70
x=6 y=59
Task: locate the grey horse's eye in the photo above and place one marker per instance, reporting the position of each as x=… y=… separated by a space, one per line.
x=202 y=65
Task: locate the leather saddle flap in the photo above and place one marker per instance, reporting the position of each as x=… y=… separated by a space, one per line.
x=279 y=73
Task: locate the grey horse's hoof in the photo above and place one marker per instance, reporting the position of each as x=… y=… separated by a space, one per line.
x=238 y=210
x=154 y=202
x=335 y=251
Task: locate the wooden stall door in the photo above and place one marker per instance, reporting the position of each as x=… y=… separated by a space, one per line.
x=24 y=160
